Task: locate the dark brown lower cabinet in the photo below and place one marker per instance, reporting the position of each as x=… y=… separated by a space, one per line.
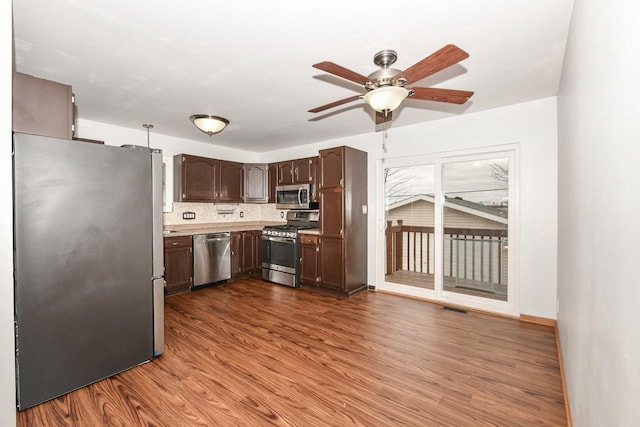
x=246 y=253
x=236 y=254
x=309 y=251
x=332 y=263
x=258 y=239
x=178 y=264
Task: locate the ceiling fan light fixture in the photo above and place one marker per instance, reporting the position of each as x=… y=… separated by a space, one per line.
x=386 y=98
x=209 y=124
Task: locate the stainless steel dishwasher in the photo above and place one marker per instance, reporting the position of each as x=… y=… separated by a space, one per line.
x=211 y=258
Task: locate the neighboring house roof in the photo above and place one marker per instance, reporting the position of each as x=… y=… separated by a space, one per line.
x=483 y=211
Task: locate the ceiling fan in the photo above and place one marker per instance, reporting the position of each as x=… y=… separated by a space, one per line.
x=388 y=87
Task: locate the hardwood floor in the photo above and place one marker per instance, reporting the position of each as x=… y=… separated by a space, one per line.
x=250 y=353
x=468 y=287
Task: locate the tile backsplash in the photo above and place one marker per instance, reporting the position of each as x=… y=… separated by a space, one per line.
x=223 y=212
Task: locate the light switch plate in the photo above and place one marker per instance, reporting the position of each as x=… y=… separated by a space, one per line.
x=365 y=209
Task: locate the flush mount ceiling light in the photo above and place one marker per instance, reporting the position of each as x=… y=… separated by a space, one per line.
x=209 y=124
x=386 y=98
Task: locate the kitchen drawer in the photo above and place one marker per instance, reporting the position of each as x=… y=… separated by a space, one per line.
x=177 y=242
x=308 y=239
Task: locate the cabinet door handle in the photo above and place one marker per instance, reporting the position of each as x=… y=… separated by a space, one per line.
x=317 y=248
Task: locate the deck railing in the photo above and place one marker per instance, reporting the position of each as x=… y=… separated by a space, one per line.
x=471 y=256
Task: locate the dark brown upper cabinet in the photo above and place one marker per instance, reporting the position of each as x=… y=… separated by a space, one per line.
x=231 y=182
x=194 y=178
x=332 y=168
x=297 y=171
x=273 y=181
x=285 y=173
x=201 y=179
x=42 y=107
x=304 y=170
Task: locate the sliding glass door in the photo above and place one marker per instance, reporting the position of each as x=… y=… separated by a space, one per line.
x=409 y=225
x=448 y=227
x=476 y=232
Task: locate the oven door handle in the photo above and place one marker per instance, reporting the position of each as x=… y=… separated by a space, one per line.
x=279 y=239
x=300 y=196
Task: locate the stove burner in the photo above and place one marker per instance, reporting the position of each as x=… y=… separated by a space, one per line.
x=290 y=229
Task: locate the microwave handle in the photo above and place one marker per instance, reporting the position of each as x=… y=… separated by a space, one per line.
x=300 y=196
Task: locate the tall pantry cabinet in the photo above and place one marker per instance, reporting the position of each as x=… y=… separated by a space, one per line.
x=343 y=220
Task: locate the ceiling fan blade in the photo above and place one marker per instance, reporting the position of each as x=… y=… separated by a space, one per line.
x=440 y=95
x=381 y=118
x=340 y=71
x=443 y=58
x=334 y=104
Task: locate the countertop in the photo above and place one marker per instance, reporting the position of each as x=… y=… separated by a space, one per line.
x=191 y=229
x=311 y=231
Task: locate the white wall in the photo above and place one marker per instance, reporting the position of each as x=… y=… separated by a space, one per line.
x=533 y=126
x=170 y=146
x=7 y=366
x=599 y=204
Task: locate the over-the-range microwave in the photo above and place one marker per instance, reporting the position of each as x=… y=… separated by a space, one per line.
x=298 y=196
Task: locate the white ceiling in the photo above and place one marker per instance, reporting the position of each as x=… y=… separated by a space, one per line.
x=132 y=62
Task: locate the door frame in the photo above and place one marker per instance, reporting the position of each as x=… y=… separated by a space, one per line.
x=512 y=305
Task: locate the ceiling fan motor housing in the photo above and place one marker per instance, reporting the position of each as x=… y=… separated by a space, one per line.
x=384 y=77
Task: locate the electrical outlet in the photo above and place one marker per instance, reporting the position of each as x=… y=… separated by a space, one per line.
x=188 y=215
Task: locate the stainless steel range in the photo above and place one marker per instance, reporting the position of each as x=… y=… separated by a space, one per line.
x=281 y=247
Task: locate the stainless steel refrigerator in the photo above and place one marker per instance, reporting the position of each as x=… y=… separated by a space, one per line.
x=89 y=291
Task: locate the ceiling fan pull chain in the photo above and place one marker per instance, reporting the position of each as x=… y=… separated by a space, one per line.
x=384 y=136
